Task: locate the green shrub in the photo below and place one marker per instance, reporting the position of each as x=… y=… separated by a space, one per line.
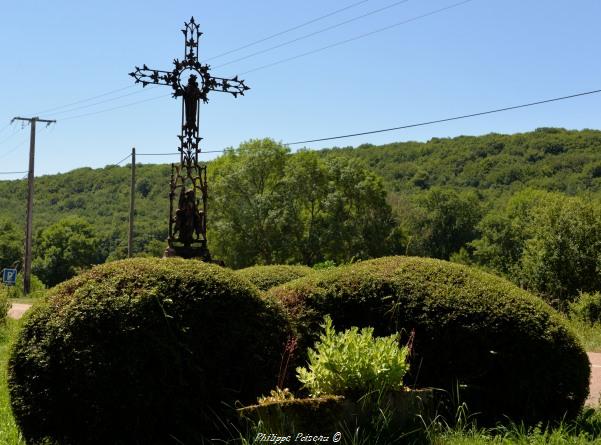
x=509 y=352
x=36 y=288
x=587 y=307
x=266 y=277
x=4 y=302
x=143 y=351
x=354 y=363
x=324 y=265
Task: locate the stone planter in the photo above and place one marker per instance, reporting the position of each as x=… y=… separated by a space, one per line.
x=328 y=415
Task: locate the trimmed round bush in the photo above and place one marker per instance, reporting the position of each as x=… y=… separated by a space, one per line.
x=143 y=351
x=266 y=277
x=507 y=351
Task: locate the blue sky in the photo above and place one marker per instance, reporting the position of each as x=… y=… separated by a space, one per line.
x=480 y=55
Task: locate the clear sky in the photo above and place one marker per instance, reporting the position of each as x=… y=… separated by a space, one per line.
x=479 y=55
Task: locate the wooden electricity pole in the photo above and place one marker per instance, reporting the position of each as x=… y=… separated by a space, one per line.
x=29 y=225
x=132 y=197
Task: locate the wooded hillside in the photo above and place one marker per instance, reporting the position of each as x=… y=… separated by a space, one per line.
x=497 y=201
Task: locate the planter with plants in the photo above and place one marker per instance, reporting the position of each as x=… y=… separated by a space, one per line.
x=354 y=382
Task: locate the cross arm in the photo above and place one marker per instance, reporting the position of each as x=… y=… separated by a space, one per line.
x=234 y=86
x=146 y=76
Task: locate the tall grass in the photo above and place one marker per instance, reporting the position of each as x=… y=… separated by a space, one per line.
x=9 y=433
x=589 y=334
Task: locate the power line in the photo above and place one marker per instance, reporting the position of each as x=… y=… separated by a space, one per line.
x=102 y=101
x=17 y=129
x=84 y=100
x=419 y=124
x=108 y=93
x=448 y=119
x=4 y=128
x=220 y=55
x=306 y=36
x=19 y=145
x=172 y=154
x=352 y=39
x=12 y=173
x=124 y=159
x=115 y=108
x=287 y=30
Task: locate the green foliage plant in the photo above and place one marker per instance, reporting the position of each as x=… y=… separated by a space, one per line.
x=145 y=350
x=11 y=244
x=444 y=220
x=587 y=307
x=37 y=288
x=511 y=354
x=266 y=277
x=546 y=242
x=4 y=302
x=324 y=265
x=354 y=363
x=274 y=207
x=276 y=395
x=64 y=249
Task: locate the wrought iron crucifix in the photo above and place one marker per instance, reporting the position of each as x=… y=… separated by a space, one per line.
x=191 y=80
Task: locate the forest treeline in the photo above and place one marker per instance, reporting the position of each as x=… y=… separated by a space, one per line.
x=525 y=206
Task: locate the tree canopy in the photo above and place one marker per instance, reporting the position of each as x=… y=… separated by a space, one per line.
x=524 y=206
x=272 y=207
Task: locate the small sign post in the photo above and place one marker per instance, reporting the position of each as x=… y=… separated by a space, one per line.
x=9 y=276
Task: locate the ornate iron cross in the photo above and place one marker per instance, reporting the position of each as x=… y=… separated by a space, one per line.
x=191 y=80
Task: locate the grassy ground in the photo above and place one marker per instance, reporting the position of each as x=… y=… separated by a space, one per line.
x=9 y=434
x=590 y=335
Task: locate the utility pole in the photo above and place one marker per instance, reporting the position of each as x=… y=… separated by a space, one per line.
x=29 y=225
x=132 y=196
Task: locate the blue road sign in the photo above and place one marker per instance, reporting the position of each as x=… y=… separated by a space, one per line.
x=9 y=276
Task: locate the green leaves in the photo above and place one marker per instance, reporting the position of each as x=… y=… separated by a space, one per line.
x=354 y=363
x=63 y=249
x=269 y=206
x=547 y=242
x=11 y=244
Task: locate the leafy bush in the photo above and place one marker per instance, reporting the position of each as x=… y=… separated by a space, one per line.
x=324 y=265
x=266 y=277
x=508 y=350
x=4 y=303
x=587 y=307
x=354 y=363
x=546 y=242
x=37 y=288
x=143 y=351
x=65 y=248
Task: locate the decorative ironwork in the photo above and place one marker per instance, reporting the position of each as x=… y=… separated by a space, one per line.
x=191 y=81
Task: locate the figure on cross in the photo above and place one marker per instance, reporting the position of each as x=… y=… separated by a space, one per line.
x=191 y=95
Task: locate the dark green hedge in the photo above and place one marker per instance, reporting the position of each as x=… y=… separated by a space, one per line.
x=511 y=354
x=266 y=277
x=143 y=351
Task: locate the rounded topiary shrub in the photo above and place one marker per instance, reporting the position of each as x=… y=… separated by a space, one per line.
x=507 y=351
x=266 y=277
x=143 y=351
